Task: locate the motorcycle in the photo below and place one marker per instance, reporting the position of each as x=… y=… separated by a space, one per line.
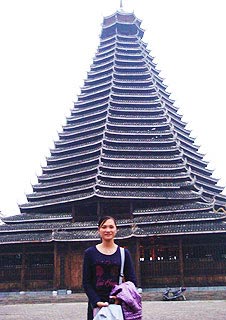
x=177 y=295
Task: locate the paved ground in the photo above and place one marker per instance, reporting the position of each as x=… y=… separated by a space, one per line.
x=152 y=310
x=210 y=293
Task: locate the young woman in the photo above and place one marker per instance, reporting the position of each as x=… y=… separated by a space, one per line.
x=101 y=266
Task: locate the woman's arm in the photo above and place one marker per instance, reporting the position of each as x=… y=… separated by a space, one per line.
x=129 y=272
x=87 y=279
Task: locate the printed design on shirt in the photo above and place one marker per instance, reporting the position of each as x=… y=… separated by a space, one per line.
x=106 y=274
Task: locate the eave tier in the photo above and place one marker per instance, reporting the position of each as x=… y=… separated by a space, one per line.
x=142 y=226
x=138 y=221
x=37 y=217
x=109 y=193
x=47 y=190
x=61 y=216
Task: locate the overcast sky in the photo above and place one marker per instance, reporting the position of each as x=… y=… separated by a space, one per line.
x=47 y=47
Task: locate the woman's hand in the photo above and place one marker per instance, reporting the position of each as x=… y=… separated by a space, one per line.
x=116 y=300
x=101 y=304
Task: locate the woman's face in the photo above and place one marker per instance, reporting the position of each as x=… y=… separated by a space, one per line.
x=107 y=230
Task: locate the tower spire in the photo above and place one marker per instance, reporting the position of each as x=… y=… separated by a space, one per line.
x=121 y=5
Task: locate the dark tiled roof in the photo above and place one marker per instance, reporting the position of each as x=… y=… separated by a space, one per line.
x=149 y=194
x=185 y=207
x=25 y=237
x=36 y=217
x=156 y=222
x=156 y=218
x=188 y=228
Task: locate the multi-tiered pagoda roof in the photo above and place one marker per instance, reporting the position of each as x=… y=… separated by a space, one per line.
x=124 y=144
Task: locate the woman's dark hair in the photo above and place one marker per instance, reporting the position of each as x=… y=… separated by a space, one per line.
x=104 y=219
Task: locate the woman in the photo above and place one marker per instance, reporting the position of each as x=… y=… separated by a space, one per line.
x=101 y=267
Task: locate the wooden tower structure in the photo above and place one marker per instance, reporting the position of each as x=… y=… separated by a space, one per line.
x=125 y=152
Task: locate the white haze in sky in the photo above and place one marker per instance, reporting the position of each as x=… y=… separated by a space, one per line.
x=47 y=47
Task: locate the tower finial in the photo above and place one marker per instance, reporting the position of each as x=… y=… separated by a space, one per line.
x=121 y=4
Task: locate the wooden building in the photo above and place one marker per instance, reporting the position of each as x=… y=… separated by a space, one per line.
x=125 y=152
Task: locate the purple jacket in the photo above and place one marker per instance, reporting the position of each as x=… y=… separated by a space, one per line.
x=131 y=300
